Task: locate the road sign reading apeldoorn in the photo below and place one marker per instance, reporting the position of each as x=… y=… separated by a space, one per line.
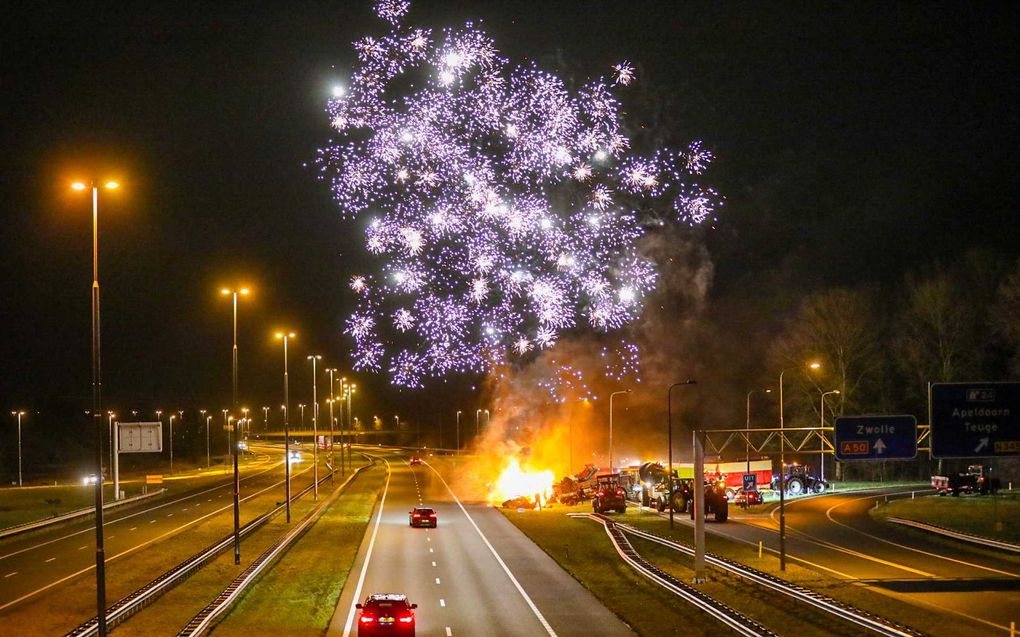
x=875 y=438
x=974 y=420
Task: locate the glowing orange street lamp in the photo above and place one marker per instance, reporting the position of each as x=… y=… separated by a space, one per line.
x=285 y=337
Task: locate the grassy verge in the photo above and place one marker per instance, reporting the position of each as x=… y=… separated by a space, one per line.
x=997 y=517
x=298 y=596
x=27 y=504
x=583 y=550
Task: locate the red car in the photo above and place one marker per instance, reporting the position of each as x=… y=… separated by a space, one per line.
x=387 y=614
x=422 y=516
x=745 y=499
x=415 y=460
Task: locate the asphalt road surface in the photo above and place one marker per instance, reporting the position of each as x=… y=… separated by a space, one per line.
x=834 y=533
x=41 y=561
x=475 y=574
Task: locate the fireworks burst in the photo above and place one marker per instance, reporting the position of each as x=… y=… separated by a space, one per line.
x=504 y=205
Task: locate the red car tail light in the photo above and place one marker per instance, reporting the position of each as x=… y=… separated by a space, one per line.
x=417 y=515
x=601 y=494
x=619 y=492
x=407 y=620
x=367 y=619
x=432 y=515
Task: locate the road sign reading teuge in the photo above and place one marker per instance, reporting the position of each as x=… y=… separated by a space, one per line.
x=974 y=420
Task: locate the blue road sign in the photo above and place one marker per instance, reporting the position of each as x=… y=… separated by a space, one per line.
x=974 y=420
x=875 y=438
x=750 y=482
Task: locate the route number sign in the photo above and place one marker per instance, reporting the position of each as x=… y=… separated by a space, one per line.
x=974 y=420
x=875 y=438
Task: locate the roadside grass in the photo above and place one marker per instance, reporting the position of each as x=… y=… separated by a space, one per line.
x=582 y=549
x=869 y=599
x=772 y=497
x=64 y=606
x=299 y=594
x=997 y=517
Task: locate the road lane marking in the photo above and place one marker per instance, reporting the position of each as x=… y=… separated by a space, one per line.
x=368 y=554
x=12 y=574
x=152 y=521
x=134 y=528
x=442 y=603
x=430 y=550
x=50 y=560
x=506 y=569
x=433 y=564
x=828 y=514
x=437 y=580
x=83 y=546
x=449 y=633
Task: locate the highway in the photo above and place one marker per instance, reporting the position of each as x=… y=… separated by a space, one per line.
x=835 y=534
x=475 y=574
x=40 y=562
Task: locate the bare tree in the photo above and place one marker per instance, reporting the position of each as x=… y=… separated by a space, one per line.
x=1005 y=316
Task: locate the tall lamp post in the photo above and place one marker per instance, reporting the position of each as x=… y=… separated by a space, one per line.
x=172 y=416
x=782 y=472
x=315 y=424
x=208 y=457
x=351 y=388
x=747 y=426
x=97 y=404
x=458 y=431
x=18 y=415
x=233 y=293
x=669 y=437
x=821 y=435
x=285 y=337
x=611 y=396
x=332 y=397
x=265 y=414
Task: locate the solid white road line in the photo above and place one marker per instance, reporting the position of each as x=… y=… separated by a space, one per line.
x=368 y=555
x=506 y=569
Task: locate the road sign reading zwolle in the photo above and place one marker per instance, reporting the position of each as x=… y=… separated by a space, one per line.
x=876 y=438
x=974 y=420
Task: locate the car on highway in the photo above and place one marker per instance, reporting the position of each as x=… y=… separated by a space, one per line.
x=745 y=499
x=386 y=614
x=422 y=516
x=416 y=459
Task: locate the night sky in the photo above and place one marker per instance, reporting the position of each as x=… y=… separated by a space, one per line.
x=854 y=142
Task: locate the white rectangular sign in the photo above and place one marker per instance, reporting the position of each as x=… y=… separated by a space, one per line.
x=140 y=437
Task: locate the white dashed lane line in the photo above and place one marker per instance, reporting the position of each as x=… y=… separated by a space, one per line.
x=50 y=560
x=442 y=603
x=433 y=564
x=449 y=633
x=85 y=546
x=152 y=521
x=437 y=580
x=134 y=528
x=430 y=550
x=12 y=574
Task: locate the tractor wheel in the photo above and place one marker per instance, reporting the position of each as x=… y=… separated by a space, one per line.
x=722 y=513
x=795 y=486
x=820 y=486
x=679 y=502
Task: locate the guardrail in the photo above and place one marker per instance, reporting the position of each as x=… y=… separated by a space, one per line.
x=134 y=602
x=72 y=515
x=987 y=542
x=844 y=611
x=205 y=618
x=737 y=621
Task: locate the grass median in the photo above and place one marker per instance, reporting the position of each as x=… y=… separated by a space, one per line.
x=582 y=548
x=298 y=595
x=989 y=516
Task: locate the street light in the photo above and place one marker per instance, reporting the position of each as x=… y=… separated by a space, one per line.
x=285 y=337
x=615 y=393
x=301 y=406
x=97 y=404
x=351 y=388
x=234 y=293
x=477 y=413
x=782 y=471
x=18 y=415
x=458 y=431
x=315 y=425
x=208 y=460
x=111 y=416
x=821 y=435
x=172 y=443
x=265 y=414
x=747 y=425
x=329 y=401
x=669 y=438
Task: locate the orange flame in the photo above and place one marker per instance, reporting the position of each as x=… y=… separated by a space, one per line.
x=516 y=482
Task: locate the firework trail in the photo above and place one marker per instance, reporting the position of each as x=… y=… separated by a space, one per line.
x=502 y=207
